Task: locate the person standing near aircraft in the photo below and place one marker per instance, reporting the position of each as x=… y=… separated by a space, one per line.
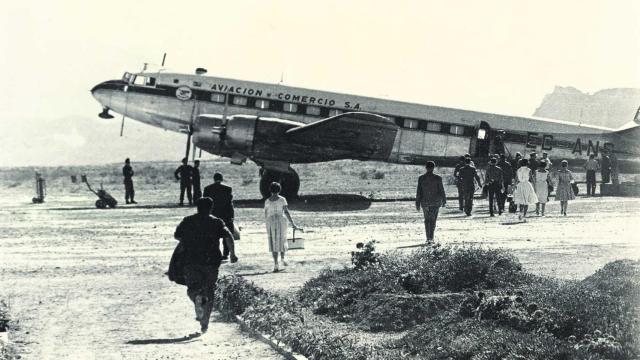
x=524 y=194
x=195 y=181
x=591 y=166
x=183 y=173
x=468 y=174
x=456 y=176
x=276 y=213
x=493 y=179
x=222 y=205
x=199 y=234
x=129 y=192
x=564 y=192
x=430 y=196
x=542 y=182
x=515 y=163
x=507 y=180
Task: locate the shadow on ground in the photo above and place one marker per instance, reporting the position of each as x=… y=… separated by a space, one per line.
x=322 y=202
x=181 y=340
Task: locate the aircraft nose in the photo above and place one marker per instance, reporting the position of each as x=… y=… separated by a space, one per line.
x=102 y=93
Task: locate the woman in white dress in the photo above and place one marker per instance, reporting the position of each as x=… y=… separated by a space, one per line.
x=276 y=215
x=542 y=186
x=525 y=194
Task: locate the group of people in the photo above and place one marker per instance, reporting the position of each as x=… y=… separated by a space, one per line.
x=197 y=258
x=526 y=182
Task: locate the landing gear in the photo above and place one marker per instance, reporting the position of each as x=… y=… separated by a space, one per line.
x=105 y=113
x=289 y=181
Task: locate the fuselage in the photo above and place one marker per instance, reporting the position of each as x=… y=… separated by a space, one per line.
x=173 y=101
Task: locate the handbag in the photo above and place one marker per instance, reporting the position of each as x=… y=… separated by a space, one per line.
x=574 y=186
x=176 y=265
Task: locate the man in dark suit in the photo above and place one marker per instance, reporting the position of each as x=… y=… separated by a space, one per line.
x=467 y=175
x=195 y=181
x=222 y=205
x=184 y=173
x=430 y=197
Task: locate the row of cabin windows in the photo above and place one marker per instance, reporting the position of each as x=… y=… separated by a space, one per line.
x=268 y=105
x=431 y=126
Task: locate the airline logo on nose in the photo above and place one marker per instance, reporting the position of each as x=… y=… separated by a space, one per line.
x=183 y=93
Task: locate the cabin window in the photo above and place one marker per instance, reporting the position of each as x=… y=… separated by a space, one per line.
x=410 y=123
x=139 y=80
x=262 y=104
x=456 y=130
x=197 y=84
x=176 y=81
x=334 y=112
x=289 y=107
x=217 y=97
x=240 y=100
x=435 y=127
x=126 y=77
x=313 y=110
x=151 y=81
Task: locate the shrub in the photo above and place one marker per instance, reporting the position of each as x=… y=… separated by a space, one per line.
x=365 y=256
x=378 y=175
x=364 y=174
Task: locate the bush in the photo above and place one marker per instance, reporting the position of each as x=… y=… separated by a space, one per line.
x=365 y=256
x=378 y=175
x=285 y=320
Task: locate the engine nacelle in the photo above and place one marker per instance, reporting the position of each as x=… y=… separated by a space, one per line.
x=217 y=135
x=240 y=130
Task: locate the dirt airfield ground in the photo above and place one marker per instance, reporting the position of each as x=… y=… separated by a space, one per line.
x=87 y=283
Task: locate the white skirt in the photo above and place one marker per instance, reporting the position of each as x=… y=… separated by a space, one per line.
x=525 y=194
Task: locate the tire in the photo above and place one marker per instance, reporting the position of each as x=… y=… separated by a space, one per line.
x=290 y=182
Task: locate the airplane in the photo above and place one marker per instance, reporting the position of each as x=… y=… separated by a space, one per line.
x=276 y=126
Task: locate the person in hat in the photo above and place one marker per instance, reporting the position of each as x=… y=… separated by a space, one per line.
x=468 y=174
x=129 y=192
x=183 y=174
x=591 y=166
x=564 y=192
x=430 y=197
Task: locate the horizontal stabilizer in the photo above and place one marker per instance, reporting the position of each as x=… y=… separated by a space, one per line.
x=361 y=135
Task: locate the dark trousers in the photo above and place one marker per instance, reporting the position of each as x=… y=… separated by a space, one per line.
x=129 y=193
x=494 y=197
x=468 y=199
x=197 y=192
x=591 y=182
x=185 y=186
x=201 y=280
x=229 y=224
x=430 y=217
x=502 y=196
x=606 y=176
x=460 y=197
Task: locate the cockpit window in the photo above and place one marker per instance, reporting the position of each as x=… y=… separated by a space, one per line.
x=126 y=77
x=151 y=81
x=140 y=80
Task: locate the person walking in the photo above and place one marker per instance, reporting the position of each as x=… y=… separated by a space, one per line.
x=591 y=166
x=468 y=174
x=199 y=237
x=183 y=173
x=542 y=182
x=430 y=197
x=456 y=176
x=507 y=180
x=195 y=181
x=493 y=180
x=524 y=194
x=564 y=192
x=222 y=196
x=129 y=192
x=276 y=213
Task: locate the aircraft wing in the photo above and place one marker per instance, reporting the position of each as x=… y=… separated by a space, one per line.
x=361 y=135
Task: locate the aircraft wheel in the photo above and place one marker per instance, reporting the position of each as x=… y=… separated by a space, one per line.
x=290 y=182
x=100 y=204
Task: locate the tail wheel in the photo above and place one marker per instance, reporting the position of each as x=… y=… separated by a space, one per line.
x=290 y=182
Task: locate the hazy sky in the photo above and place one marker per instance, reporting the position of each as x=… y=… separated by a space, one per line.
x=497 y=56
